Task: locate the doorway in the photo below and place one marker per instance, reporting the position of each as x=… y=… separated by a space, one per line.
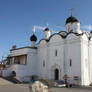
x=56 y=72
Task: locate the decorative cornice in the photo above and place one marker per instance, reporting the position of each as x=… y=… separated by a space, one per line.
x=62 y=36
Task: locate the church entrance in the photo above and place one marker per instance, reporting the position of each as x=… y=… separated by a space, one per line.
x=56 y=72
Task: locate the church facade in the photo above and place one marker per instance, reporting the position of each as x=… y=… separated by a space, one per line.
x=66 y=55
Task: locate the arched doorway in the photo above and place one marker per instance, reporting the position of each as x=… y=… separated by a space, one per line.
x=56 y=72
x=13 y=73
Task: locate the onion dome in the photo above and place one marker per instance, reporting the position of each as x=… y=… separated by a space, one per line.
x=33 y=38
x=72 y=19
x=91 y=31
x=47 y=29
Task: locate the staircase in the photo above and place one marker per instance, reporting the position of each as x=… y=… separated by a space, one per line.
x=59 y=82
x=12 y=79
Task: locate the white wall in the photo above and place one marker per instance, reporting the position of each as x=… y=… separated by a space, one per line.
x=68 y=48
x=72 y=47
x=73 y=52
x=90 y=60
x=75 y=27
x=84 y=61
x=47 y=34
x=23 y=72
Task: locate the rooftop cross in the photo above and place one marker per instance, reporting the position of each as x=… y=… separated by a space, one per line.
x=34 y=29
x=71 y=10
x=47 y=24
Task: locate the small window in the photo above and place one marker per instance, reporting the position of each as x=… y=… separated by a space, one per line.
x=71 y=30
x=68 y=28
x=70 y=62
x=55 y=52
x=18 y=62
x=43 y=63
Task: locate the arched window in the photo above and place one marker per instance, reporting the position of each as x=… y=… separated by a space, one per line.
x=55 y=52
x=13 y=73
x=70 y=62
x=71 y=30
x=43 y=63
x=68 y=28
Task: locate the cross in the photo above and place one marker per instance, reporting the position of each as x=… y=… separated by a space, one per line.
x=47 y=24
x=71 y=10
x=2 y=58
x=34 y=29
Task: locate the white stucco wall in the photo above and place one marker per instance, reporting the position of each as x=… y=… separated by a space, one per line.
x=73 y=47
x=23 y=71
x=84 y=61
x=75 y=27
x=90 y=60
x=73 y=52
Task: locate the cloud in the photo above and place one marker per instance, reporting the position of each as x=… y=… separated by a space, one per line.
x=87 y=27
x=53 y=28
x=59 y=27
x=56 y=28
x=39 y=28
x=54 y=31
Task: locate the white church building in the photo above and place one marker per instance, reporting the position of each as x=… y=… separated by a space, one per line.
x=63 y=55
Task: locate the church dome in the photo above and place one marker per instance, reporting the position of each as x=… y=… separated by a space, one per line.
x=72 y=19
x=33 y=38
x=46 y=29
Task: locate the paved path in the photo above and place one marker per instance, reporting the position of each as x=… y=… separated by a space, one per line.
x=6 y=86
x=5 y=82
x=84 y=89
x=13 y=88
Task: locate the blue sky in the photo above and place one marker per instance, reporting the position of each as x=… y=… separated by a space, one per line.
x=17 y=17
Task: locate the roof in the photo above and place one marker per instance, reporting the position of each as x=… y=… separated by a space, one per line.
x=24 y=48
x=72 y=19
x=33 y=38
x=47 y=29
x=63 y=36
